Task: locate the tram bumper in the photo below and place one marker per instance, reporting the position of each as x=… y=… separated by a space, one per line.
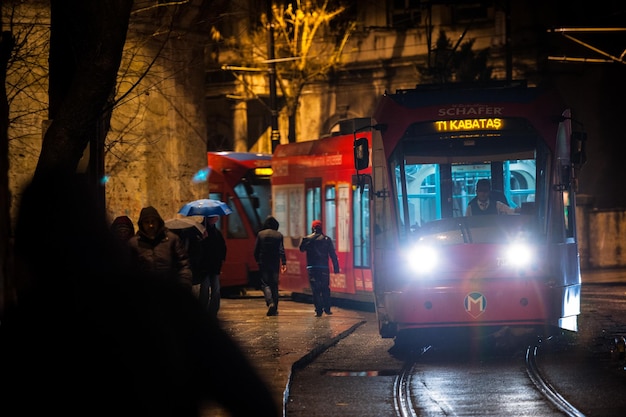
x=486 y=303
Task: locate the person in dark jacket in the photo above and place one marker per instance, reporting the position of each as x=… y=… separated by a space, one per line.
x=212 y=256
x=319 y=248
x=157 y=250
x=488 y=201
x=87 y=322
x=269 y=253
x=123 y=228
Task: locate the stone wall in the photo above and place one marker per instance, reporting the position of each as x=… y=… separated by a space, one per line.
x=601 y=236
x=157 y=143
x=158 y=136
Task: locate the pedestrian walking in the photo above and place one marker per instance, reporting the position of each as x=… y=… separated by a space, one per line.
x=269 y=253
x=319 y=248
x=211 y=257
x=159 y=251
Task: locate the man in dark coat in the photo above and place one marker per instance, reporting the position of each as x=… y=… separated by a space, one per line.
x=209 y=259
x=123 y=228
x=319 y=248
x=157 y=250
x=269 y=253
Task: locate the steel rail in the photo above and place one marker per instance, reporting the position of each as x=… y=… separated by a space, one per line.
x=544 y=387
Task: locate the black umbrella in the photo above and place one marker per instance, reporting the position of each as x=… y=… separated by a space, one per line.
x=186 y=228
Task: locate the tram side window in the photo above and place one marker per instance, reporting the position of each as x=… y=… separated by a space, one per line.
x=289 y=211
x=361 y=226
x=565 y=226
x=568 y=212
x=565 y=179
x=313 y=200
x=263 y=191
x=236 y=229
x=330 y=205
x=254 y=198
x=234 y=225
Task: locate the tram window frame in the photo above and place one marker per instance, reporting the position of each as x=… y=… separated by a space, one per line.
x=247 y=193
x=361 y=225
x=435 y=183
x=233 y=223
x=312 y=200
x=330 y=211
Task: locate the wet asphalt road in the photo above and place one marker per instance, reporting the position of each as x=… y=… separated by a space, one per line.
x=582 y=368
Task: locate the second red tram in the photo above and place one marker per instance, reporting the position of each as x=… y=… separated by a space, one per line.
x=316 y=180
x=433 y=266
x=242 y=180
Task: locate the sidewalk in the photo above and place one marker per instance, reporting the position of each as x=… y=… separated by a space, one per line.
x=278 y=344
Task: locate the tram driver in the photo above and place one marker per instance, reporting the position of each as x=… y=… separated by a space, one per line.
x=488 y=201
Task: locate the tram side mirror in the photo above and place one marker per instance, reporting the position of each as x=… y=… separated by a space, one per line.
x=361 y=154
x=579 y=151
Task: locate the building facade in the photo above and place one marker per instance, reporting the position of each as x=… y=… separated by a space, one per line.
x=179 y=94
x=392 y=44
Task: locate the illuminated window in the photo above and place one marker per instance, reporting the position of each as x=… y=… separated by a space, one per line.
x=361 y=226
x=330 y=219
x=313 y=200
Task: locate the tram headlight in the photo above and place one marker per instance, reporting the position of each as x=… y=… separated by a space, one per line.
x=518 y=255
x=422 y=258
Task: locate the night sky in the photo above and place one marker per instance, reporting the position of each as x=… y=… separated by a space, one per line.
x=596 y=92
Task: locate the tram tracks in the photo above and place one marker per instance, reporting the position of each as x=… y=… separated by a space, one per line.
x=420 y=390
x=546 y=389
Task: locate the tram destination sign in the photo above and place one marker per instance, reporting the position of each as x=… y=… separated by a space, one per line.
x=469 y=124
x=497 y=125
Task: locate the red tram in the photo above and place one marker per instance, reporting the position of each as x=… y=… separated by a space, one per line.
x=433 y=266
x=316 y=180
x=242 y=180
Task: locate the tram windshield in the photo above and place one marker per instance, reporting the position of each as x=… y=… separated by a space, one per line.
x=254 y=192
x=436 y=179
x=478 y=229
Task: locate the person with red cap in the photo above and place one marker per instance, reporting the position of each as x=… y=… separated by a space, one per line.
x=319 y=248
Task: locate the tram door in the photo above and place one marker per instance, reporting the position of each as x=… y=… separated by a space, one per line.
x=343 y=209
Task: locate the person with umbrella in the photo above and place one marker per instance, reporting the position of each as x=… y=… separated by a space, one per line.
x=156 y=249
x=211 y=254
x=192 y=233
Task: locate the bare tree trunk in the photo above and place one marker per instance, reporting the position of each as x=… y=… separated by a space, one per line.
x=7 y=44
x=86 y=44
x=292 y=127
